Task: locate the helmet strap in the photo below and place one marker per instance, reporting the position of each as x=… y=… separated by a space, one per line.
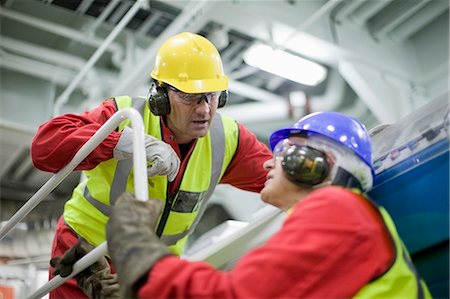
x=346 y=179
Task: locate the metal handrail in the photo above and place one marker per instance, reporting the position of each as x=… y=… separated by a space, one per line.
x=140 y=186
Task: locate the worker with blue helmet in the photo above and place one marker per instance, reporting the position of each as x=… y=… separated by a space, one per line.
x=334 y=243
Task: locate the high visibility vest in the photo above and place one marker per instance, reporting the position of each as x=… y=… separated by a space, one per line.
x=88 y=210
x=401 y=279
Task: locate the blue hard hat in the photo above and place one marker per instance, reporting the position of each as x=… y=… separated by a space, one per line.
x=339 y=127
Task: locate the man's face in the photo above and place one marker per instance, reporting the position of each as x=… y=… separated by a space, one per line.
x=191 y=114
x=278 y=190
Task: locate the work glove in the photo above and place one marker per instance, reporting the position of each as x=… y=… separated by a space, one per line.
x=132 y=243
x=164 y=160
x=96 y=281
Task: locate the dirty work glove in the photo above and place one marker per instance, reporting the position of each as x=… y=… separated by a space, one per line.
x=96 y=281
x=164 y=159
x=132 y=242
x=64 y=265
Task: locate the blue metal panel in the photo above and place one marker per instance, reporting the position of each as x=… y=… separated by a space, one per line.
x=411 y=161
x=417 y=197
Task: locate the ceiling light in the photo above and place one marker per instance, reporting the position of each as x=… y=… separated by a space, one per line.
x=285 y=65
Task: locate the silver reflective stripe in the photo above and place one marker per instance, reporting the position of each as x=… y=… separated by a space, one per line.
x=104 y=208
x=420 y=292
x=218 y=151
x=119 y=183
x=123 y=169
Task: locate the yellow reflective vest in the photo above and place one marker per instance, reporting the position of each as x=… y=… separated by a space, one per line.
x=88 y=209
x=401 y=279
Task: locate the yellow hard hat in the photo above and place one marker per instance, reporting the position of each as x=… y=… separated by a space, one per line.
x=190 y=63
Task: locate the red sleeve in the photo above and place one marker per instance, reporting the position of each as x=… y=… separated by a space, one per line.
x=246 y=170
x=321 y=251
x=59 y=139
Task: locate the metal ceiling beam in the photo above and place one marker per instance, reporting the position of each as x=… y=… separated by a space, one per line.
x=311 y=20
x=63 y=98
x=104 y=14
x=422 y=18
x=346 y=10
x=366 y=11
x=409 y=13
x=32 y=67
x=84 y=6
x=60 y=30
x=137 y=75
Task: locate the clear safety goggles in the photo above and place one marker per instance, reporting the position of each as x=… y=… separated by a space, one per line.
x=284 y=147
x=193 y=99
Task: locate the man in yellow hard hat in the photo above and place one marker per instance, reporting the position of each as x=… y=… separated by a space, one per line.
x=189 y=148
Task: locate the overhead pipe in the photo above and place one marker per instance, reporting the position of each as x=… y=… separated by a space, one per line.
x=35 y=68
x=43 y=53
x=130 y=80
x=63 y=98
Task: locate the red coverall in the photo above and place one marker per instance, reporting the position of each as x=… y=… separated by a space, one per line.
x=330 y=246
x=58 y=140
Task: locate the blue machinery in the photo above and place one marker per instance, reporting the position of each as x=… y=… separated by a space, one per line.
x=411 y=159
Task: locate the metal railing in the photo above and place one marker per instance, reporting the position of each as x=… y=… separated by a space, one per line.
x=140 y=187
x=219 y=255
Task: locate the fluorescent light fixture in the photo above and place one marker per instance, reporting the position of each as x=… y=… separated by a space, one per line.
x=285 y=65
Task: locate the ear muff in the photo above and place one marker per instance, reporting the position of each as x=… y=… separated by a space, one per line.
x=158 y=100
x=223 y=98
x=305 y=165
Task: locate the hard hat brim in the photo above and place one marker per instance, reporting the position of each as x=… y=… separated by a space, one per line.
x=197 y=86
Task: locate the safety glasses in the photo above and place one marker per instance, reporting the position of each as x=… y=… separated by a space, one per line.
x=193 y=99
x=283 y=148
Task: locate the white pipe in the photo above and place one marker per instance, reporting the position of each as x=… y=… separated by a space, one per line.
x=191 y=12
x=36 y=68
x=47 y=54
x=139 y=164
x=65 y=95
x=140 y=187
x=79 y=266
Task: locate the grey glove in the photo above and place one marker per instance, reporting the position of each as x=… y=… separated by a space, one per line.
x=132 y=242
x=163 y=158
x=96 y=281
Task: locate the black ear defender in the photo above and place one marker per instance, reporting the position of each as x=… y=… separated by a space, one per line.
x=223 y=98
x=158 y=100
x=305 y=165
